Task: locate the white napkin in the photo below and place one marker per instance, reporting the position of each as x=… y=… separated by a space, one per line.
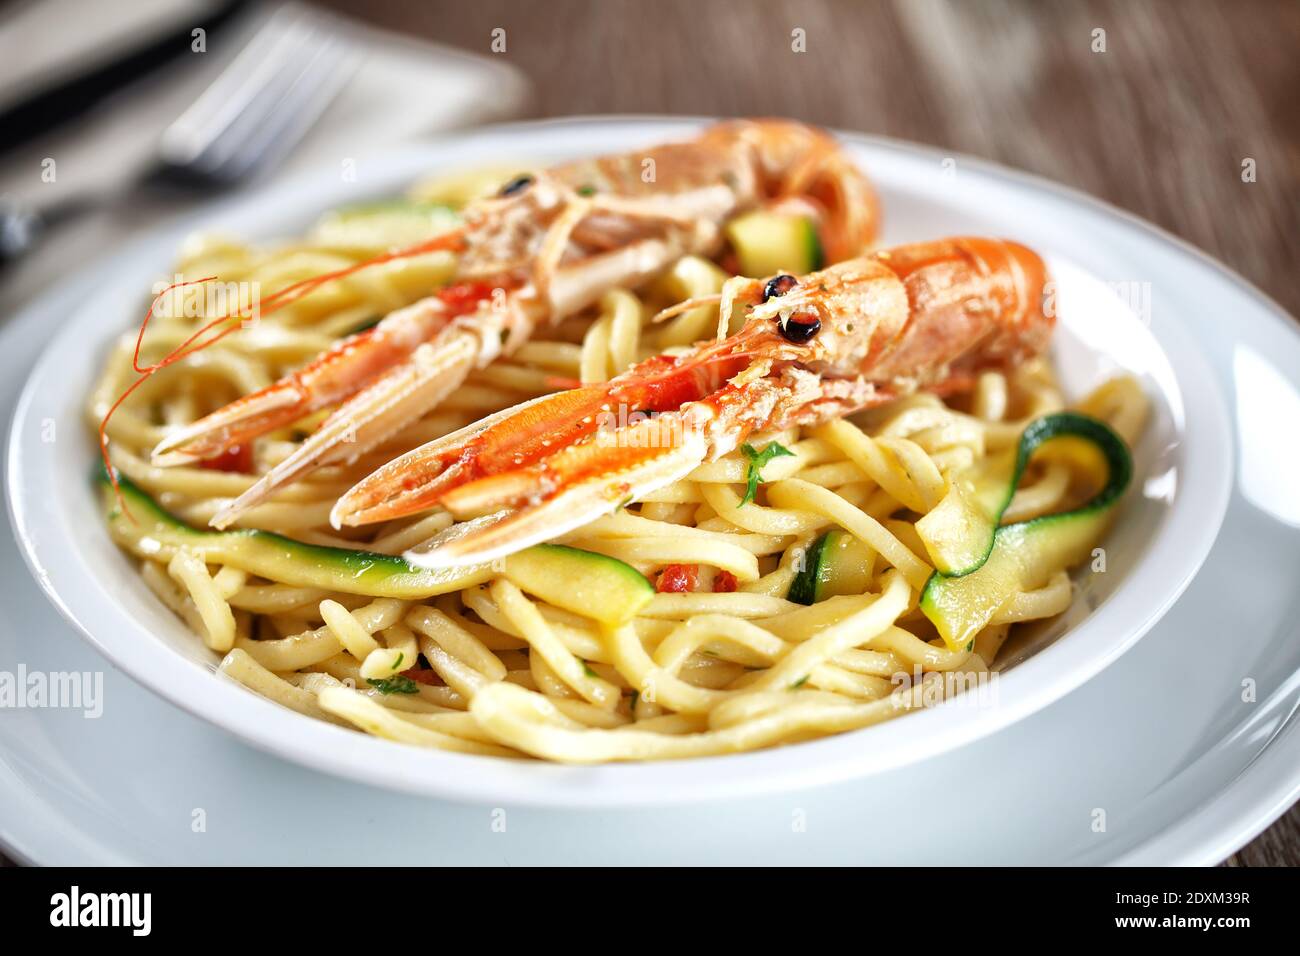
x=402 y=89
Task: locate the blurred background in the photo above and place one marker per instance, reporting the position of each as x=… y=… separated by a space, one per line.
x=115 y=115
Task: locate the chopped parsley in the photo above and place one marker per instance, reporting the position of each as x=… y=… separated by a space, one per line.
x=800 y=682
x=397 y=684
x=587 y=669
x=757 y=459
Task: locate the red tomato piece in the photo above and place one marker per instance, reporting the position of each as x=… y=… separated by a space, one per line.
x=724 y=583
x=237 y=458
x=677 y=579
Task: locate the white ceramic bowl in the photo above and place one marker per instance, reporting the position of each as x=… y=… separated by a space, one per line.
x=1169 y=519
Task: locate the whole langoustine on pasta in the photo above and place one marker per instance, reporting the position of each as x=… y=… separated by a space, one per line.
x=922 y=317
x=546 y=247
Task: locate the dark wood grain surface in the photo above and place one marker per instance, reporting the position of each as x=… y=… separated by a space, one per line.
x=1159 y=123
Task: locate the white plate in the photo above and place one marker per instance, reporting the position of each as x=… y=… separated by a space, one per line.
x=1148 y=740
x=1169 y=522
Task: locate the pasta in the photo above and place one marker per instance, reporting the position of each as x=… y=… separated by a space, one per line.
x=487 y=669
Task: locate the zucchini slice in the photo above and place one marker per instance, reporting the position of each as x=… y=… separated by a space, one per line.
x=584 y=582
x=590 y=584
x=958 y=531
x=1022 y=556
x=149 y=531
x=837 y=563
x=768 y=243
x=384 y=224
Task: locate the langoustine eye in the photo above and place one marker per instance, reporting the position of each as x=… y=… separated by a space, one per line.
x=516 y=185
x=800 y=326
x=778 y=286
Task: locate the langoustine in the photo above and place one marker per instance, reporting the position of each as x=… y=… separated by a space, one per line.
x=928 y=316
x=548 y=246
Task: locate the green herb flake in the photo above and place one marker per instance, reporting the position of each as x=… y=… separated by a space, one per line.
x=757 y=459
x=397 y=684
x=587 y=191
x=800 y=682
x=587 y=669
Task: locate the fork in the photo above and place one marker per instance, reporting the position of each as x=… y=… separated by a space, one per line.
x=249 y=118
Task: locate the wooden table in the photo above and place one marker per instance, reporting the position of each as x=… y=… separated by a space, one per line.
x=1159 y=123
